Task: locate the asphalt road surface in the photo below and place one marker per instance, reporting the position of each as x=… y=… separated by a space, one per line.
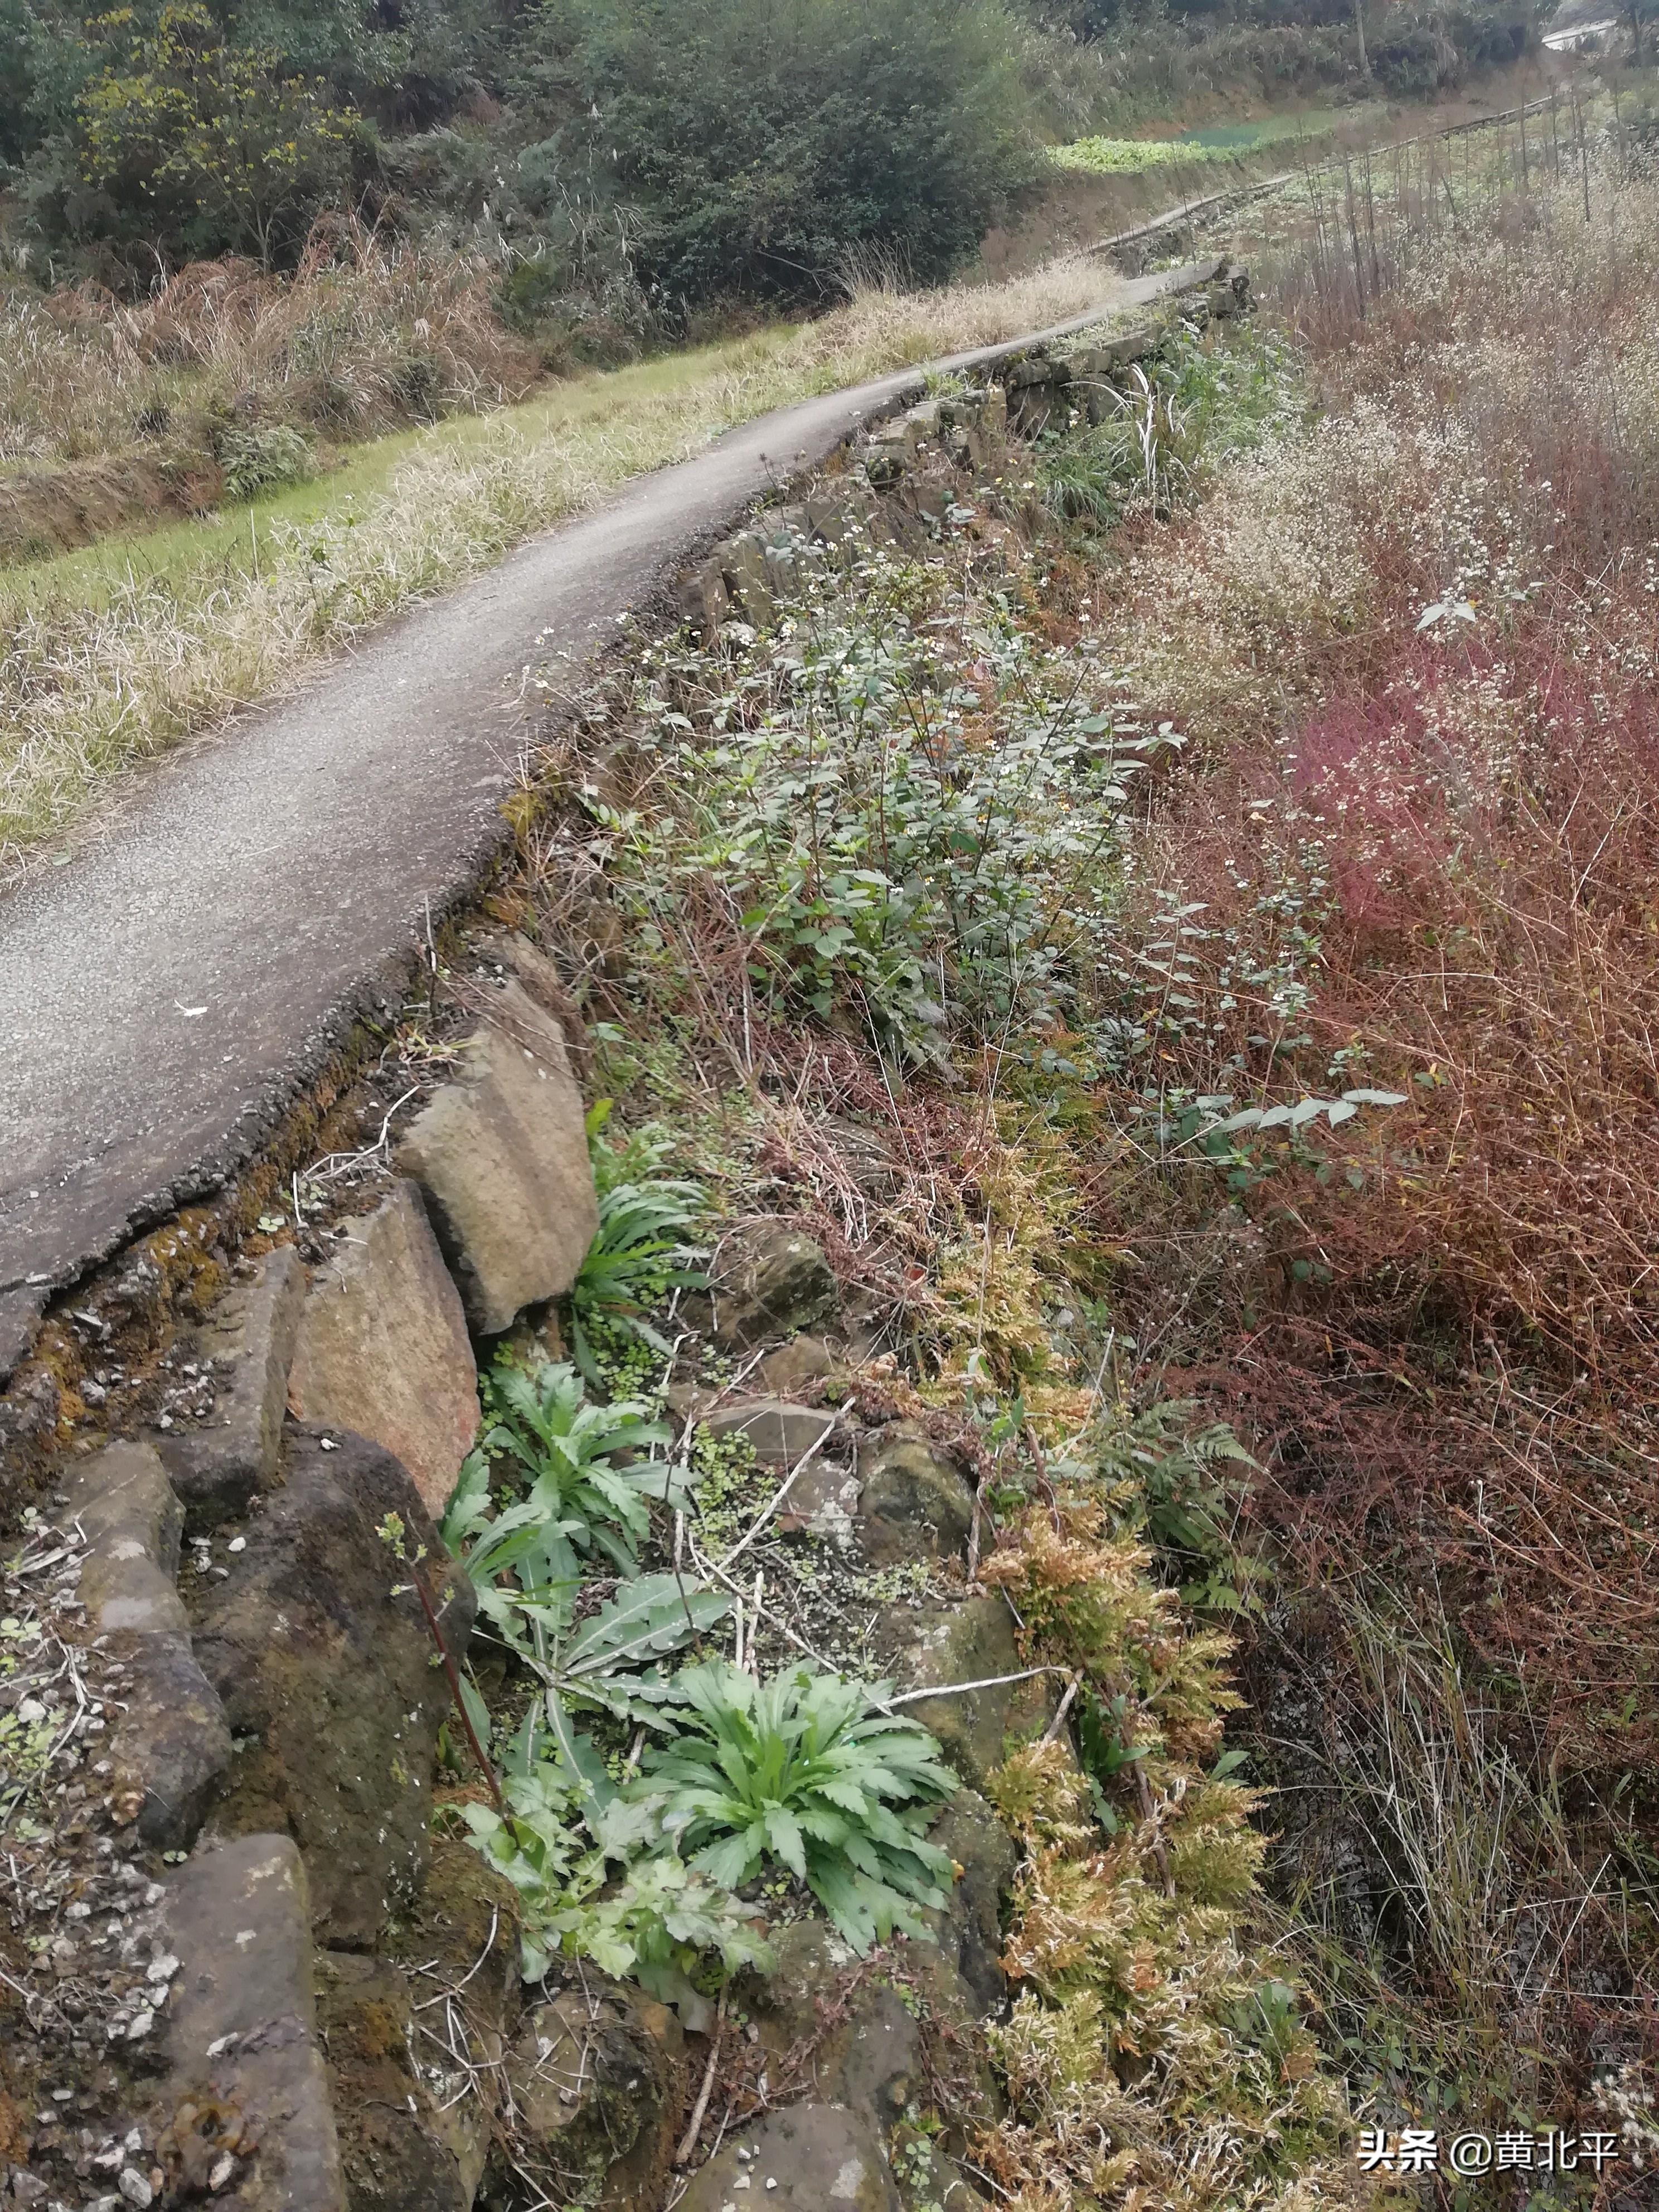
x=165 y=993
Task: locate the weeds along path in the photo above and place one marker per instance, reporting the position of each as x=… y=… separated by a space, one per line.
x=168 y=987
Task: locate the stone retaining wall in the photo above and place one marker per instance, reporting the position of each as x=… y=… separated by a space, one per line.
x=291 y=1996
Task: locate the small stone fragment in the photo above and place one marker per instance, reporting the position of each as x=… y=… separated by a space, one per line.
x=135 y=2188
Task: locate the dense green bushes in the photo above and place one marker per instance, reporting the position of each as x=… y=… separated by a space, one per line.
x=629 y=160
x=764 y=144
x=733 y=149
x=1141 y=61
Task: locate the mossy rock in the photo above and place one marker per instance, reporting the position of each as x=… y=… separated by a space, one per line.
x=773 y=1281
x=970 y=1643
x=396 y=2146
x=914 y=1502
x=597 y=2080
x=971 y=1925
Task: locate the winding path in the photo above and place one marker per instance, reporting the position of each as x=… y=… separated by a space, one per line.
x=164 y=993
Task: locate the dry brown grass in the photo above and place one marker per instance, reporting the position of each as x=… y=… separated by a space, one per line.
x=367 y=332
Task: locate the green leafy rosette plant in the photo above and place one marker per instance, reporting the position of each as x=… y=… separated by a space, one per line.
x=578 y=1501
x=806 y=1771
x=640 y=1254
x=593 y=1882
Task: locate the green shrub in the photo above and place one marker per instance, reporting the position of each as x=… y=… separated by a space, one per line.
x=806 y=1772
x=886 y=870
x=760 y=147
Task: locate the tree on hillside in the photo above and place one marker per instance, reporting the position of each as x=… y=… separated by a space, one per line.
x=196 y=127
x=765 y=142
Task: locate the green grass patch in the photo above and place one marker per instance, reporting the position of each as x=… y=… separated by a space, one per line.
x=235 y=541
x=1131 y=157
x=1209 y=143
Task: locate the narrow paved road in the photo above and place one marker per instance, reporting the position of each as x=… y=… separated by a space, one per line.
x=163 y=994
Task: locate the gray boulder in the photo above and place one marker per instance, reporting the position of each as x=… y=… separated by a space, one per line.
x=247 y=2115
x=219 y=1465
x=501 y=1158
x=383 y=1347
x=170 y=1743
x=821 y=2157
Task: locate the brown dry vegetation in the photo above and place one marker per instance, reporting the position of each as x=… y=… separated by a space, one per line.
x=114 y=411
x=366 y=332
x=1413 y=847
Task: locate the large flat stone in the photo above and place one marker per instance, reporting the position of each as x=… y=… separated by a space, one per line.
x=247 y=2080
x=383 y=1347
x=779 y=1433
x=821 y=2158
x=502 y=1156
x=169 y=1744
x=326 y=1675
x=248 y=1340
